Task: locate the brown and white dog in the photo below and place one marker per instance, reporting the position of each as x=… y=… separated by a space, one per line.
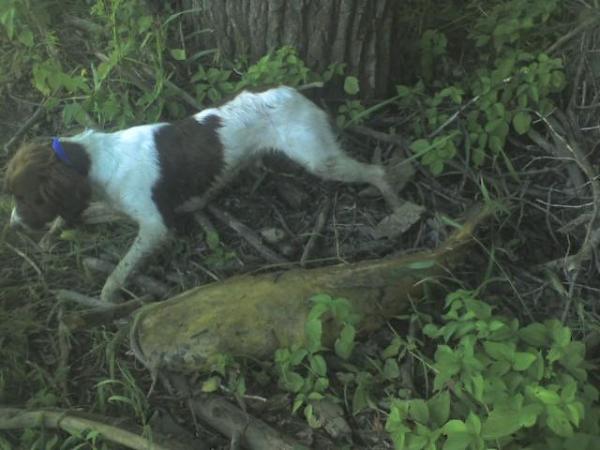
x=153 y=172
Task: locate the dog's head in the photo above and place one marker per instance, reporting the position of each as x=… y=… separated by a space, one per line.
x=45 y=187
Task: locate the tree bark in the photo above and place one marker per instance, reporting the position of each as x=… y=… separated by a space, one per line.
x=361 y=33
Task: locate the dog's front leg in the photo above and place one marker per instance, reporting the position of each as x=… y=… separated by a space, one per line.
x=149 y=237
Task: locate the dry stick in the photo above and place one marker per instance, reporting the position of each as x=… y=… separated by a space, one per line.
x=250 y=236
x=77 y=423
x=381 y=136
x=320 y=223
x=103 y=314
x=573 y=263
x=454 y=116
x=26 y=258
x=559 y=152
x=571 y=34
x=232 y=421
x=149 y=284
x=66 y=295
x=33 y=119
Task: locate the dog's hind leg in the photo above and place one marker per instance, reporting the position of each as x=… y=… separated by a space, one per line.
x=320 y=153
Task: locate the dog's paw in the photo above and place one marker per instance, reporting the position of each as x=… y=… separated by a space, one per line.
x=111 y=291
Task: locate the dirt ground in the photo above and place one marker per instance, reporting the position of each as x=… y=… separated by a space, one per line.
x=281 y=204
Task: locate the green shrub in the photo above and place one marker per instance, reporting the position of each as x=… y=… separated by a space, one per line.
x=500 y=385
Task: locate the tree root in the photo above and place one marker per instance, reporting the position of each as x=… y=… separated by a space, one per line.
x=77 y=423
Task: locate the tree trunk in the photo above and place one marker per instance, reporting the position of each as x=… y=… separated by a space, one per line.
x=361 y=33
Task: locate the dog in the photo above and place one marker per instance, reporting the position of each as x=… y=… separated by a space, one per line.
x=154 y=172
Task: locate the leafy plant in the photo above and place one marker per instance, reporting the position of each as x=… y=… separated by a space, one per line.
x=303 y=370
x=498 y=384
x=510 y=84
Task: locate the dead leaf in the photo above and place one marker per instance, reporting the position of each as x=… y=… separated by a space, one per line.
x=399 y=222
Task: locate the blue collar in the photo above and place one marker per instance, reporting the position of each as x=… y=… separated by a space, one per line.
x=60 y=151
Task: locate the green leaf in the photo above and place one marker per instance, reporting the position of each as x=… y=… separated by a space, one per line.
x=561 y=335
x=211 y=385
x=458 y=441
x=496 y=144
x=500 y=351
x=403 y=91
x=297 y=356
x=360 y=399
x=477 y=387
x=546 y=396
x=439 y=408
x=321 y=384
x=454 y=426
x=419 y=265
x=313 y=330
x=529 y=414
x=535 y=334
x=473 y=423
x=311 y=419
x=500 y=423
x=351 y=85
x=68 y=235
x=575 y=412
x=523 y=360
x=396 y=427
x=8 y=20
x=420 y=145
x=393 y=349
x=436 y=167
x=418 y=411
x=391 y=369
x=26 y=38
x=178 y=54
x=318 y=365
x=345 y=343
x=558 y=422
x=144 y=23
x=522 y=122
x=293 y=382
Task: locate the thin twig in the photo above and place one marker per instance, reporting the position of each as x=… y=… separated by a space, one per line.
x=75 y=297
x=32 y=120
x=147 y=283
x=381 y=136
x=26 y=258
x=249 y=235
x=232 y=421
x=571 y=34
x=319 y=224
x=453 y=117
x=78 y=423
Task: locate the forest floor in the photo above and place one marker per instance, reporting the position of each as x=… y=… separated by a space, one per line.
x=519 y=255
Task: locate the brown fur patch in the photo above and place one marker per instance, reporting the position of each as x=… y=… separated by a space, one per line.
x=191 y=159
x=45 y=187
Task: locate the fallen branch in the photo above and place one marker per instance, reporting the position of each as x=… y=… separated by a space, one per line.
x=77 y=423
x=26 y=126
x=102 y=314
x=146 y=283
x=250 y=236
x=320 y=223
x=232 y=422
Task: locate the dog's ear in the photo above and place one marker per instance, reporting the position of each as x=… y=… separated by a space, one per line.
x=66 y=189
